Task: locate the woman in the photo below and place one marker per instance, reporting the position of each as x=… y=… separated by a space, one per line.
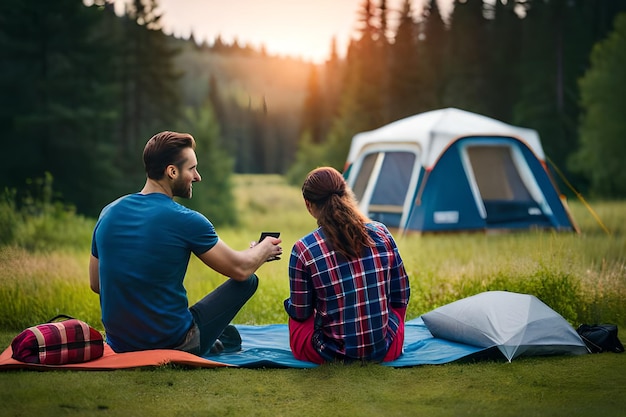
x=348 y=286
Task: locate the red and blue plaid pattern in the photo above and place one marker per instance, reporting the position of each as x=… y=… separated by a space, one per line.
x=57 y=343
x=350 y=298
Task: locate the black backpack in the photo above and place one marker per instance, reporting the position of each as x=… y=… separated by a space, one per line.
x=600 y=337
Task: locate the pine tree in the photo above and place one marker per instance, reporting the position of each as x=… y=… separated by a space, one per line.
x=362 y=97
x=603 y=131
x=467 y=58
x=557 y=38
x=213 y=195
x=504 y=33
x=312 y=119
x=433 y=46
x=332 y=86
x=56 y=105
x=406 y=88
x=150 y=99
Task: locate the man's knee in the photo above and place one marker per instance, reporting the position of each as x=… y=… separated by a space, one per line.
x=252 y=283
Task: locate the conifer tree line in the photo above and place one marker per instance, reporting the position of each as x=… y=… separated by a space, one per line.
x=518 y=61
x=82 y=89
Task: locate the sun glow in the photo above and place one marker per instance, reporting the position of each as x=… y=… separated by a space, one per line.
x=296 y=28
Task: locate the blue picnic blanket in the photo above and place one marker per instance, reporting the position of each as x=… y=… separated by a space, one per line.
x=268 y=346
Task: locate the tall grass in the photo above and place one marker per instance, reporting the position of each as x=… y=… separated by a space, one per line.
x=39 y=222
x=581 y=276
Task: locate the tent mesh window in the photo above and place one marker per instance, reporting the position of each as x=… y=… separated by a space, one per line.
x=501 y=187
x=360 y=183
x=393 y=180
x=391 y=184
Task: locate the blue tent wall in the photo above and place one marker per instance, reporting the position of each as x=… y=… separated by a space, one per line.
x=446 y=189
x=560 y=218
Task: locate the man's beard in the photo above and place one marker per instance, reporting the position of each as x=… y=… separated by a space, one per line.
x=180 y=189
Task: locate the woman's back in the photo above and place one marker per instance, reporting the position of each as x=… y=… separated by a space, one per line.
x=348 y=287
x=351 y=298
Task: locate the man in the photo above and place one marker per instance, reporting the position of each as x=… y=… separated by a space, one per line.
x=140 y=250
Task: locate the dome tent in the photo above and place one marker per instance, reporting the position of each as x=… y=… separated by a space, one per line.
x=516 y=324
x=453 y=170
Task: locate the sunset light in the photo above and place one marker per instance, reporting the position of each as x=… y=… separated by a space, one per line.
x=297 y=28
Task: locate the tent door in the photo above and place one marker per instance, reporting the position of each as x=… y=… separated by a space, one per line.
x=502 y=183
x=381 y=180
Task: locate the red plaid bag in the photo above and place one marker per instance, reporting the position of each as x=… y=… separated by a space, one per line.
x=58 y=343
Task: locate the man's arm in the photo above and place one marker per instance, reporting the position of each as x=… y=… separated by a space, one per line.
x=94 y=275
x=239 y=265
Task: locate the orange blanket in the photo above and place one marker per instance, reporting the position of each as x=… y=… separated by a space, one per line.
x=111 y=360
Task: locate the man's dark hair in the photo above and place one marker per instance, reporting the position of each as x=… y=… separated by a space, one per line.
x=165 y=149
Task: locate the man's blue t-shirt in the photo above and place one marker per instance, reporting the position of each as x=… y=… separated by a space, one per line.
x=143 y=243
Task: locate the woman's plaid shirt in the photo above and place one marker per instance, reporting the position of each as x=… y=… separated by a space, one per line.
x=351 y=299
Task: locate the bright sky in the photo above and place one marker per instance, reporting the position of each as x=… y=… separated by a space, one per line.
x=299 y=28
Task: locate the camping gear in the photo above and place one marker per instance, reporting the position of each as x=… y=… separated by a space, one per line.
x=600 y=337
x=111 y=360
x=267 y=346
x=264 y=346
x=58 y=342
x=452 y=170
x=514 y=323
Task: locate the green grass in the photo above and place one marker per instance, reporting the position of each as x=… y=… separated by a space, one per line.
x=583 y=277
x=559 y=386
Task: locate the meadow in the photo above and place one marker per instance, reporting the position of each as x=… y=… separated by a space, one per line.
x=581 y=276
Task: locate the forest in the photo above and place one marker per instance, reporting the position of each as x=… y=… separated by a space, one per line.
x=83 y=89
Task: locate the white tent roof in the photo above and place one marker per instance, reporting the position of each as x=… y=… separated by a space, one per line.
x=434 y=130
